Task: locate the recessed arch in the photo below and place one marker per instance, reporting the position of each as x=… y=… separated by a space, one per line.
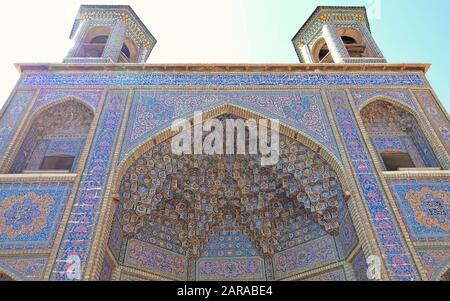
x=74 y=128
x=136 y=239
x=243 y=113
x=392 y=127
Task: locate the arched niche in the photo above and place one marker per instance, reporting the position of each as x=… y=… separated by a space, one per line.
x=55 y=138
x=228 y=212
x=397 y=136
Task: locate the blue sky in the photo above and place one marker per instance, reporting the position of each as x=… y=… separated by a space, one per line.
x=227 y=31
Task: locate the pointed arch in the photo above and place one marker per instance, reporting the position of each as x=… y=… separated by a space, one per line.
x=398 y=136
x=226 y=207
x=388 y=99
x=28 y=137
x=67 y=98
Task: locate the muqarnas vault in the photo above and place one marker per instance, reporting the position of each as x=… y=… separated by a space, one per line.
x=90 y=190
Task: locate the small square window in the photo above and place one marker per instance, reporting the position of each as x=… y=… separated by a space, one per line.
x=61 y=162
x=396 y=160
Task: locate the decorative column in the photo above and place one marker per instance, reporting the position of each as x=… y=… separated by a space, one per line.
x=370 y=40
x=115 y=42
x=335 y=43
x=78 y=39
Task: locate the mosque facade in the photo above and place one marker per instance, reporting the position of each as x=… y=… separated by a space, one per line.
x=90 y=188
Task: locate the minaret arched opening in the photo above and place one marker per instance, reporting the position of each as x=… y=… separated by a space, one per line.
x=94 y=42
x=55 y=139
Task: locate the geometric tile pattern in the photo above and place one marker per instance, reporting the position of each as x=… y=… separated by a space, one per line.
x=425 y=207
x=435 y=115
x=157 y=260
x=304 y=257
x=189 y=198
x=435 y=262
x=30 y=214
x=223 y=269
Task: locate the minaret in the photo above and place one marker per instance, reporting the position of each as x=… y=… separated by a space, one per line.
x=338 y=35
x=109 y=34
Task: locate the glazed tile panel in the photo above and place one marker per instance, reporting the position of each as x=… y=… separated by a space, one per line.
x=30 y=214
x=436 y=262
x=153 y=112
x=26 y=268
x=437 y=118
x=224 y=269
x=425 y=207
x=131 y=79
x=12 y=117
x=79 y=232
x=305 y=257
x=392 y=245
x=145 y=256
x=48 y=96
